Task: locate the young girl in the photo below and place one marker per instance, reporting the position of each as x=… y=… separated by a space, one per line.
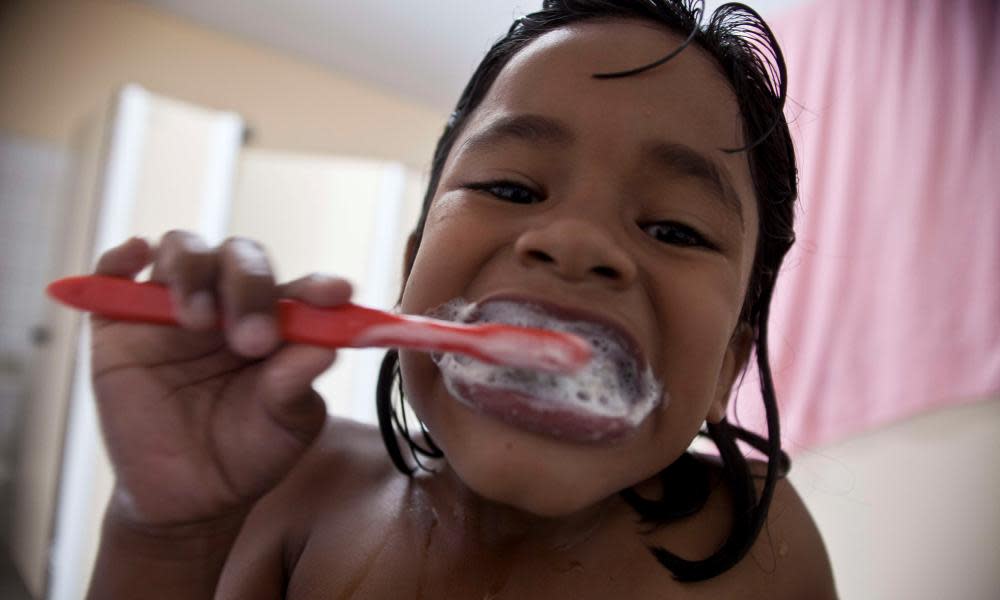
x=613 y=168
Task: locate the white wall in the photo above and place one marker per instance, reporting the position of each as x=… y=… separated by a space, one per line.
x=32 y=176
x=31 y=183
x=34 y=225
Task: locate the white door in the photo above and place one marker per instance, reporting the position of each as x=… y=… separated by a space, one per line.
x=153 y=164
x=164 y=164
x=341 y=216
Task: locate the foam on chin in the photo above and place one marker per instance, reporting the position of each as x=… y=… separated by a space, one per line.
x=611 y=387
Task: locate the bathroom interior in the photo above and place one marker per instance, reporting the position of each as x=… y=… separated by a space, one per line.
x=310 y=126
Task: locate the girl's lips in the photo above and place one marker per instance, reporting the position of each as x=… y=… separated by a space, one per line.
x=602 y=402
x=525 y=412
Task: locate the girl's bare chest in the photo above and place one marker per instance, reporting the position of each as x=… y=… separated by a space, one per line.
x=396 y=571
x=400 y=558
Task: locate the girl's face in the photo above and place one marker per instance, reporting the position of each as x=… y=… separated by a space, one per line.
x=607 y=197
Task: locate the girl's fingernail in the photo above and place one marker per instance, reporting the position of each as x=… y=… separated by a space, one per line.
x=319 y=279
x=200 y=309
x=255 y=335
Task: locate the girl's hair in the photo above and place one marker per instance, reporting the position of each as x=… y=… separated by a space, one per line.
x=748 y=55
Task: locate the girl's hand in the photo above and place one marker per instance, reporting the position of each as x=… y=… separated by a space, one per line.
x=199 y=421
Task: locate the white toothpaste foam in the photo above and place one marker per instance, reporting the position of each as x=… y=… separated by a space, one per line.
x=611 y=386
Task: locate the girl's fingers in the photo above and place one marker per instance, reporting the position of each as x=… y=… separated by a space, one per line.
x=186 y=264
x=286 y=383
x=234 y=280
x=248 y=295
x=318 y=289
x=125 y=259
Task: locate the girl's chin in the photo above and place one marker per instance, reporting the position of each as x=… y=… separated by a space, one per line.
x=533 y=499
x=523 y=471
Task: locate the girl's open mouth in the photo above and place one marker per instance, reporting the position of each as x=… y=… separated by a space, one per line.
x=604 y=401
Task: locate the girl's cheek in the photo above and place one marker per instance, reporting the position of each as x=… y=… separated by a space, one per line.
x=416 y=378
x=445 y=209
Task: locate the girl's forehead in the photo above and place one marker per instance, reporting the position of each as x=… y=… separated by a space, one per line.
x=686 y=101
x=687 y=97
x=616 y=44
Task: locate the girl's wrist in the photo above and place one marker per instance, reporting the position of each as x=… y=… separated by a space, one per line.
x=202 y=536
x=161 y=560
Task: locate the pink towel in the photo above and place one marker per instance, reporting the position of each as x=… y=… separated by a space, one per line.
x=889 y=304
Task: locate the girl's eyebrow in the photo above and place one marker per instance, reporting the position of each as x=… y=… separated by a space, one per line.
x=671 y=156
x=688 y=162
x=527 y=127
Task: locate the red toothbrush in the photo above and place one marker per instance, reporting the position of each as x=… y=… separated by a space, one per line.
x=345 y=326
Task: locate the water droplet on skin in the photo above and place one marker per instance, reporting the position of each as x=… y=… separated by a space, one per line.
x=573 y=565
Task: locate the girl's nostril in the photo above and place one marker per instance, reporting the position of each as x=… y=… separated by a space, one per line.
x=540 y=256
x=607 y=272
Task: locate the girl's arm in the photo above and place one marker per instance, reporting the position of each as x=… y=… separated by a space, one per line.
x=199 y=423
x=183 y=562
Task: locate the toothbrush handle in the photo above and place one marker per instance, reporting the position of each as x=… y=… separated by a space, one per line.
x=342 y=326
x=338 y=326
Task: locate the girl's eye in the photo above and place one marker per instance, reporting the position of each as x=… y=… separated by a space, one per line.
x=677 y=234
x=508 y=191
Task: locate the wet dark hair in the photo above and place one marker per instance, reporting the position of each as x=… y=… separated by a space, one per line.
x=748 y=55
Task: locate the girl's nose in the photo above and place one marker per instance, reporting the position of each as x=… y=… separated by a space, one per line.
x=576 y=250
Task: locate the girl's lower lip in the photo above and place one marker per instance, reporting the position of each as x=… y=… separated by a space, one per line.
x=529 y=414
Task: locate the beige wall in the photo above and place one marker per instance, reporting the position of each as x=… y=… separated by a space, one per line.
x=63 y=59
x=911 y=510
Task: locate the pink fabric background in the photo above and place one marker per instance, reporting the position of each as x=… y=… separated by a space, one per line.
x=889 y=304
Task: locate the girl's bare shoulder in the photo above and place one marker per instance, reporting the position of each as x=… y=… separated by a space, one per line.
x=347 y=462
x=787 y=560
x=789 y=551
x=337 y=479
x=346 y=488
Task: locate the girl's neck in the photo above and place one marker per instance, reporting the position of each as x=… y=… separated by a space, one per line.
x=493 y=525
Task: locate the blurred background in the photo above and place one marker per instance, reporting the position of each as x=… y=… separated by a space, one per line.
x=309 y=125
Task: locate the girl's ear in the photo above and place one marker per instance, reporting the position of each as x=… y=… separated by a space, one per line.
x=736 y=360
